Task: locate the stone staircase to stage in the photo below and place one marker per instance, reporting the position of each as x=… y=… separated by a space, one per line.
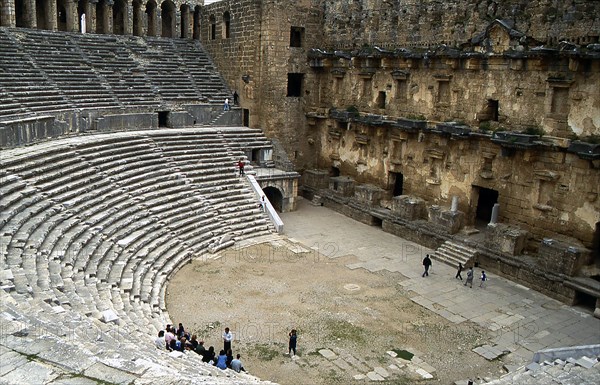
x=91 y=228
x=451 y=253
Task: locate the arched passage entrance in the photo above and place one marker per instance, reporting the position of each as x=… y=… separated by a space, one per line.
x=275 y=197
x=102 y=20
x=41 y=10
x=120 y=17
x=151 y=17
x=167 y=15
x=138 y=18
x=185 y=13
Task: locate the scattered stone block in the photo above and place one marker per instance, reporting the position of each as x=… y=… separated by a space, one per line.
x=381 y=371
x=109 y=316
x=374 y=376
x=359 y=377
x=423 y=373
x=327 y=354
x=586 y=362
x=392 y=354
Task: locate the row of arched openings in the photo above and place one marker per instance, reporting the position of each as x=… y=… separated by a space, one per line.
x=108 y=17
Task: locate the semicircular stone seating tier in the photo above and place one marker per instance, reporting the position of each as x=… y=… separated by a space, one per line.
x=93 y=226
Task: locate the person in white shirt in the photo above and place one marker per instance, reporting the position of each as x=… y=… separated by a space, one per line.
x=227 y=338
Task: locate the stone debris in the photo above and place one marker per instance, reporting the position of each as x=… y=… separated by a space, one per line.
x=327 y=354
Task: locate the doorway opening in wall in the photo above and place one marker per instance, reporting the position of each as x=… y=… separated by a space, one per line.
x=377 y=222
x=275 y=197
x=492 y=109
x=246 y=117
x=397 y=179
x=486 y=199
x=381 y=100
x=585 y=301
x=335 y=171
x=255 y=155
x=163 y=118
x=294 y=84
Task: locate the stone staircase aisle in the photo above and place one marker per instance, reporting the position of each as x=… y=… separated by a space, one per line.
x=451 y=253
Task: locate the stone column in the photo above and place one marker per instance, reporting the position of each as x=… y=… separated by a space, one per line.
x=108 y=21
x=129 y=23
x=90 y=16
x=51 y=15
x=495 y=210
x=8 y=14
x=158 y=22
x=454 y=207
x=30 y=17
x=72 y=16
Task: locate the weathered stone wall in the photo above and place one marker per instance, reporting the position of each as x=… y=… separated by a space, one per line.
x=352 y=23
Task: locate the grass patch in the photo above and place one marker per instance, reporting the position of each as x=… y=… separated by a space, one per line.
x=404 y=354
x=267 y=352
x=345 y=331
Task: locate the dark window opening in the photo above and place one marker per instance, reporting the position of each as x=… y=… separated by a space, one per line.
x=163 y=118
x=294 y=85
x=485 y=203
x=381 y=99
x=246 y=118
x=378 y=222
x=596 y=245
x=212 y=33
x=335 y=172
x=226 y=24
x=255 y=155
x=296 y=36
x=493 y=108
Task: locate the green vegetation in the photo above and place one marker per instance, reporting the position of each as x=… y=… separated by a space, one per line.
x=416 y=117
x=534 y=130
x=267 y=352
x=404 y=354
x=485 y=126
x=345 y=332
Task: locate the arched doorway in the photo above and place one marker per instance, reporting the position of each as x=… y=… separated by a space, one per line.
x=21 y=12
x=275 y=197
x=82 y=6
x=197 y=18
x=151 y=17
x=61 y=15
x=138 y=18
x=184 y=10
x=167 y=15
x=120 y=17
x=102 y=17
x=41 y=9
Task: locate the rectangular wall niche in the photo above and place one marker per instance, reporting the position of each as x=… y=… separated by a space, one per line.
x=294 y=85
x=296 y=36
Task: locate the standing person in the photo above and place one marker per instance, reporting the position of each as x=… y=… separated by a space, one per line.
x=236 y=98
x=427 y=265
x=469 y=277
x=483 y=279
x=459 y=270
x=227 y=338
x=263 y=204
x=226 y=105
x=241 y=166
x=237 y=364
x=293 y=339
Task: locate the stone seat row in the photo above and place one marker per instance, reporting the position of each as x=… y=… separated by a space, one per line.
x=150 y=292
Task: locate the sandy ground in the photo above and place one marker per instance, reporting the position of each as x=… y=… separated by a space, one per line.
x=261 y=292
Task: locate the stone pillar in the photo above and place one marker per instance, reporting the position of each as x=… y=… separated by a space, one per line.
x=8 y=14
x=30 y=17
x=51 y=15
x=72 y=16
x=108 y=21
x=90 y=16
x=454 y=207
x=158 y=22
x=129 y=23
x=495 y=210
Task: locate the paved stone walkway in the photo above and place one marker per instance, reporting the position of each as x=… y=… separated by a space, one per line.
x=521 y=321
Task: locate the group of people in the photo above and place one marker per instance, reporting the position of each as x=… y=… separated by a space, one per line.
x=470 y=273
x=227 y=106
x=177 y=339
